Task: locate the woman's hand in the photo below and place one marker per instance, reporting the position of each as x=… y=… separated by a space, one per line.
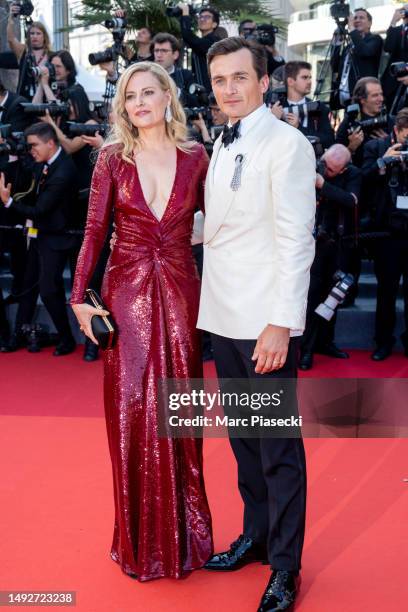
x=95 y=141
x=84 y=313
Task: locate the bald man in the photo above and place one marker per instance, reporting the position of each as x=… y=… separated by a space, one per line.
x=338 y=185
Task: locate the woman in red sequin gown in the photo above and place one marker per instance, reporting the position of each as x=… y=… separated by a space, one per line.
x=151 y=287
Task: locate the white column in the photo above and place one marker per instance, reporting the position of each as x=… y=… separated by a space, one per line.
x=60 y=19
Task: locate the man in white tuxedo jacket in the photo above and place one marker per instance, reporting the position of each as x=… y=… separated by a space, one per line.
x=258 y=250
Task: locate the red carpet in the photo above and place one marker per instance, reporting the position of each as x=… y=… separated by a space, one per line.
x=57 y=511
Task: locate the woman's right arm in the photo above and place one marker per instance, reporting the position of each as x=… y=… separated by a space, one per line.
x=97 y=224
x=15 y=45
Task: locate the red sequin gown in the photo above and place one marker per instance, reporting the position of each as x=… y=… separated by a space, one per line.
x=151 y=287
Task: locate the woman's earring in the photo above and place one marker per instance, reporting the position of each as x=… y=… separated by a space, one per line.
x=168 y=115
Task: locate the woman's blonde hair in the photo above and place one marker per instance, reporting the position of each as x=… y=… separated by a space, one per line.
x=40 y=26
x=125 y=134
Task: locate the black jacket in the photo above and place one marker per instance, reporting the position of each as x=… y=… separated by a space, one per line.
x=383 y=210
x=396 y=44
x=14 y=114
x=199 y=47
x=366 y=60
x=183 y=79
x=52 y=208
x=336 y=214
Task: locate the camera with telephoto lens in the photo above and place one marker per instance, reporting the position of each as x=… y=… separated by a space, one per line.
x=173 y=10
x=193 y=112
x=399 y=69
x=87 y=129
x=394 y=161
x=25 y=6
x=340 y=10
x=200 y=92
x=337 y=295
x=117 y=26
x=14 y=143
x=56 y=109
x=353 y=112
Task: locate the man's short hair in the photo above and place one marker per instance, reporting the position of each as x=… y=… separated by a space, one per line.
x=242 y=24
x=401 y=120
x=236 y=43
x=292 y=69
x=360 y=89
x=213 y=11
x=43 y=131
x=165 y=37
x=369 y=16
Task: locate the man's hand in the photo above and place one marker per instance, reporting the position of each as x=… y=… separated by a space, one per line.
x=5 y=190
x=277 y=109
x=351 y=22
x=393 y=151
x=271 y=349
x=379 y=133
x=398 y=15
x=109 y=67
x=184 y=9
x=355 y=139
x=319 y=181
x=292 y=119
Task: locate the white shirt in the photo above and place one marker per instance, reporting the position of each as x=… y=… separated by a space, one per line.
x=295 y=110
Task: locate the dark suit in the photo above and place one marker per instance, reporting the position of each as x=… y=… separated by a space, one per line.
x=200 y=48
x=51 y=212
x=366 y=62
x=318 y=124
x=396 y=44
x=391 y=254
x=183 y=79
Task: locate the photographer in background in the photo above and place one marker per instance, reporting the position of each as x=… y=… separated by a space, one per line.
x=166 y=51
x=30 y=56
x=65 y=71
x=299 y=110
x=48 y=205
x=362 y=61
x=396 y=44
x=385 y=166
x=368 y=95
x=338 y=187
x=208 y=21
x=265 y=35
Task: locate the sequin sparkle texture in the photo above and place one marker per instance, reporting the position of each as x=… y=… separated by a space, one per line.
x=151 y=287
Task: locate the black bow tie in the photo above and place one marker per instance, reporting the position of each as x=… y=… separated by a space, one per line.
x=2 y=108
x=229 y=134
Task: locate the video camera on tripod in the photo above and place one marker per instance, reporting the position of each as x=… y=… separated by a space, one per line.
x=340 y=10
x=117 y=26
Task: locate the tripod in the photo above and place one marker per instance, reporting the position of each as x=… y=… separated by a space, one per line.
x=335 y=52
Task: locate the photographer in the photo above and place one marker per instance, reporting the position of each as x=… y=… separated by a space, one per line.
x=311 y=118
x=48 y=205
x=249 y=30
x=396 y=44
x=208 y=21
x=166 y=51
x=63 y=66
x=385 y=166
x=369 y=97
x=338 y=187
x=30 y=56
x=362 y=60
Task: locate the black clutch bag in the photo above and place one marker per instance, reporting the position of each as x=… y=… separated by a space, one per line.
x=103 y=328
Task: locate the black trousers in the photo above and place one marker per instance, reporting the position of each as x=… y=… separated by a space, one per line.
x=271 y=472
x=44 y=277
x=390 y=263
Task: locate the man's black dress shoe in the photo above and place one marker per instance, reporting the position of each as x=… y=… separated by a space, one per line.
x=306 y=361
x=381 y=353
x=243 y=551
x=64 y=348
x=280 y=592
x=17 y=340
x=90 y=350
x=331 y=350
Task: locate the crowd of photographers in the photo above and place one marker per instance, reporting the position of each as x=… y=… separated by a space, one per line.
x=50 y=133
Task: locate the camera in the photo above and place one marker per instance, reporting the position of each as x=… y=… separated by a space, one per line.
x=379 y=122
x=87 y=129
x=392 y=162
x=14 y=144
x=193 y=112
x=399 y=69
x=175 y=11
x=336 y=296
x=340 y=10
x=200 y=92
x=277 y=94
x=54 y=108
x=117 y=25
x=26 y=7
x=265 y=34
x=36 y=71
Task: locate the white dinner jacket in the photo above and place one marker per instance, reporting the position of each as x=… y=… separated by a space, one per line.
x=258 y=242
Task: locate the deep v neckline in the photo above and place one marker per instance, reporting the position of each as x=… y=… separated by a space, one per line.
x=170 y=195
